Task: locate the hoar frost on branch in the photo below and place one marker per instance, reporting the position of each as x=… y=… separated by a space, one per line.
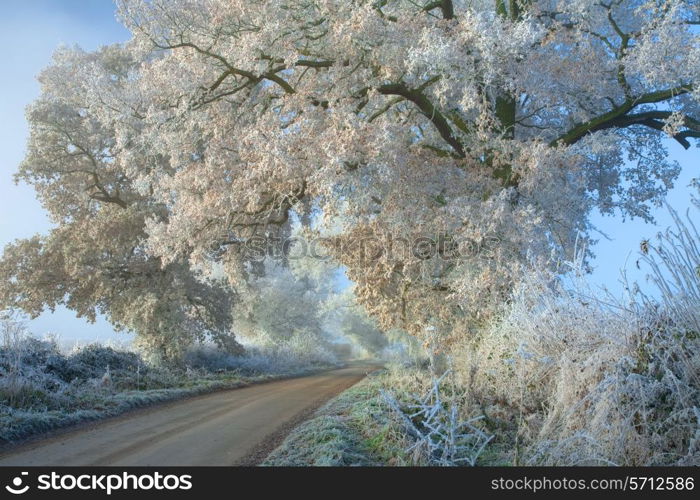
x=450 y=119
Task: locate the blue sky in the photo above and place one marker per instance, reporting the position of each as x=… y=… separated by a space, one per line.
x=622 y=249
x=32 y=29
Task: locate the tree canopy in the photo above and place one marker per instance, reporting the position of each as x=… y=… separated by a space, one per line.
x=421 y=125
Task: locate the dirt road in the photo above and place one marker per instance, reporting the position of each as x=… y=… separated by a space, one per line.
x=234 y=427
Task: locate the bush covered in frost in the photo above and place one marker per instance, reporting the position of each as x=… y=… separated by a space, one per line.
x=42 y=388
x=570 y=377
x=295 y=355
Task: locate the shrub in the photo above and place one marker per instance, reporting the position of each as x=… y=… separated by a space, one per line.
x=578 y=379
x=297 y=354
x=439 y=436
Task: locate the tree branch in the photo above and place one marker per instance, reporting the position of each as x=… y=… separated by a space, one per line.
x=426 y=107
x=446 y=6
x=609 y=119
x=655 y=120
x=231 y=70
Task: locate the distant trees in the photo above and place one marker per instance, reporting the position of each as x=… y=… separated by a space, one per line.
x=494 y=124
x=303 y=300
x=277 y=306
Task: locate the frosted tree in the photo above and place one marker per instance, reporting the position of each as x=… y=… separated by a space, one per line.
x=95 y=261
x=418 y=129
x=277 y=306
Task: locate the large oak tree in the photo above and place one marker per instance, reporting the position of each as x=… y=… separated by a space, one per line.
x=493 y=124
